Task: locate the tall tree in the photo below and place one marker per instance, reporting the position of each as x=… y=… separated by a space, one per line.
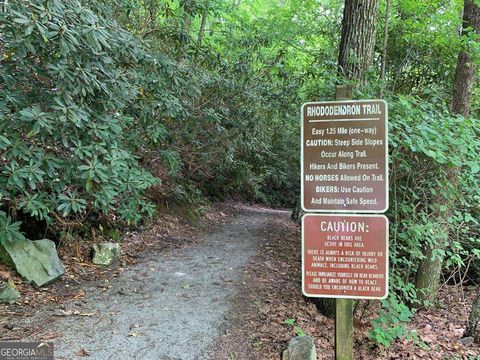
x=466 y=67
x=385 y=45
x=358 y=38
x=202 y=28
x=186 y=10
x=354 y=57
x=429 y=271
x=462 y=94
x=473 y=325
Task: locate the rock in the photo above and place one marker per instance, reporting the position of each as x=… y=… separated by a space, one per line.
x=105 y=253
x=300 y=348
x=36 y=261
x=8 y=293
x=469 y=340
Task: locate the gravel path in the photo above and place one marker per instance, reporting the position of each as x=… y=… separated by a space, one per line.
x=172 y=306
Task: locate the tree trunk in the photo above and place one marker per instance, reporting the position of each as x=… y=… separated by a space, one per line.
x=464 y=82
x=385 y=45
x=358 y=38
x=325 y=306
x=429 y=271
x=202 y=29
x=185 y=30
x=354 y=57
x=465 y=73
x=473 y=326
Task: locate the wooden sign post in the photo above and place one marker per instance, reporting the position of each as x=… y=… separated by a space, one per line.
x=345 y=173
x=343 y=307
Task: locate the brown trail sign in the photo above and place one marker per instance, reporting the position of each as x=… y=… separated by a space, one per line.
x=345 y=256
x=344 y=156
x=344 y=169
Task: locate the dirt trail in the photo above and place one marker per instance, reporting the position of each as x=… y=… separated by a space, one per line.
x=171 y=306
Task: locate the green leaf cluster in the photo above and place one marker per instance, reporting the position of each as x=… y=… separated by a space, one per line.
x=67 y=80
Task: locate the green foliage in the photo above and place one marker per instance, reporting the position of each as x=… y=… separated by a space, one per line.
x=391 y=323
x=86 y=106
x=297 y=329
x=66 y=83
x=423 y=149
x=104 y=102
x=9 y=231
x=421 y=33
x=426 y=142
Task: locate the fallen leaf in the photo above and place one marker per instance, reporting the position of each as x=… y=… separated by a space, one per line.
x=5 y=275
x=80 y=294
x=82 y=353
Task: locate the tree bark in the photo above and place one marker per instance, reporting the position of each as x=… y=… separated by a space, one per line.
x=358 y=38
x=429 y=271
x=202 y=29
x=325 y=306
x=473 y=326
x=385 y=45
x=465 y=73
x=185 y=30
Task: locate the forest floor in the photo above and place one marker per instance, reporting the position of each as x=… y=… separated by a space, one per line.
x=219 y=289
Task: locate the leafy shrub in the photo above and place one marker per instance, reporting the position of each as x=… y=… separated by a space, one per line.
x=9 y=231
x=85 y=107
x=391 y=323
x=66 y=81
x=427 y=141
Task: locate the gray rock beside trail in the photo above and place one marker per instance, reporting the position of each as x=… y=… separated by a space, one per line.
x=300 y=348
x=105 y=253
x=8 y=293
x=36 y=261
